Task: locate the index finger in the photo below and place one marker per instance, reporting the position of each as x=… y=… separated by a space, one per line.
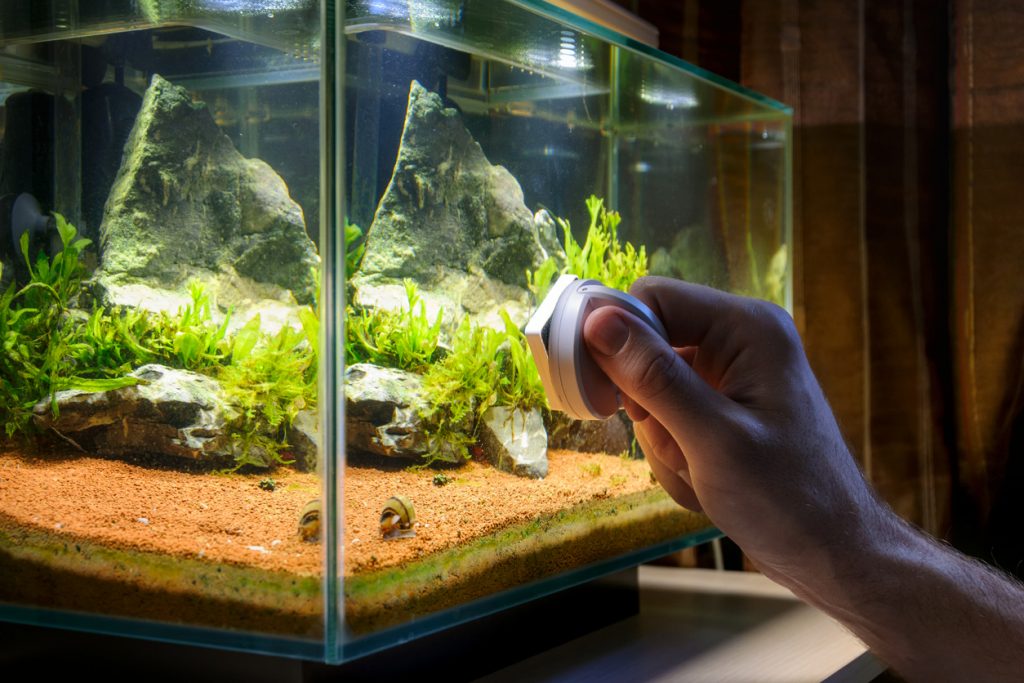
x=689 y=311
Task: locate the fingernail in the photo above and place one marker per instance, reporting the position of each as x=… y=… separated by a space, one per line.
x=609 y=336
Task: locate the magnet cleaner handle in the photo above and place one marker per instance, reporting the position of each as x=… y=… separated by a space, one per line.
x=573 y=381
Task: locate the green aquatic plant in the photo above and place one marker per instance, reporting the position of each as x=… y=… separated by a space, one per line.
x=355 y=246
x=38 y=355
x=405 y=338
x=267 y=383
x=485 y=367
x=460 y=388
x=197 y=342
x=521 y=387
x=539 y=281
x=50 y=345
x=601 y=256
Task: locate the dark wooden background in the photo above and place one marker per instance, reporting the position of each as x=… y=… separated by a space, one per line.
x=909 y=247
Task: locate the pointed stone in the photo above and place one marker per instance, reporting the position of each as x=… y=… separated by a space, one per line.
x=186 y=205
x=450 y=221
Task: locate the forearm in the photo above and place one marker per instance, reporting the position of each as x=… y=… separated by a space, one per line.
x=925 y=609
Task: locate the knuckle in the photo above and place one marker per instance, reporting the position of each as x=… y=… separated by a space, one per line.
x=657 y=376
x=774 y=321
x=645 y=287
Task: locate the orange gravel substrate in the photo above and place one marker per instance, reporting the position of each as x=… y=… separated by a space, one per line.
x=201 y=534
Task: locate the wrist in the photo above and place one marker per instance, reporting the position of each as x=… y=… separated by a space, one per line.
x=856 y=561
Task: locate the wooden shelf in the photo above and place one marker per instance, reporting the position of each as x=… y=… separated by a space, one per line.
x=703 y=625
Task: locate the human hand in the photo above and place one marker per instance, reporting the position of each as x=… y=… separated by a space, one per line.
x=734 y=422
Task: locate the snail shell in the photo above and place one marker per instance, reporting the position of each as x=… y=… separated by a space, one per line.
x=397 y=518
x=309 y=521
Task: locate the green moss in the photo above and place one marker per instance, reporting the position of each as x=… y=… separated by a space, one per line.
x=442 y=573
x=257 y=588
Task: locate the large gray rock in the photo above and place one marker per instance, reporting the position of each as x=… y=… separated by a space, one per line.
x=382 y=413
x=450 y=221
x=171 y=412
x=613 y=436
x=186 y=205
x=304 y=441
x=515 y=441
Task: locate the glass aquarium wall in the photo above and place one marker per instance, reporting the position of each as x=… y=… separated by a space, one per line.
x=265 y=274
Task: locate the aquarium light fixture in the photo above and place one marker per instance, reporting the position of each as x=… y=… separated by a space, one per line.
x=573 y=382
x=569 y=54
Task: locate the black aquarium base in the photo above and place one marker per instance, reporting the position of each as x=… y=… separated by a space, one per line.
x=461 y=653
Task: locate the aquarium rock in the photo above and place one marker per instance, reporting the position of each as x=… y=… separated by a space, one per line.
x=515 y=441
x=693 y=256
x=382 y=413
x=613 y=435
x=186 y=205
x=170 y=412
x=450 y=221
x=304 y=439
x=547 y=235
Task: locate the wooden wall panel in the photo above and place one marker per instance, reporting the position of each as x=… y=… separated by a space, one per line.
x=988 y=249
x=793 y=51
x=906 y=233
x=867 y=81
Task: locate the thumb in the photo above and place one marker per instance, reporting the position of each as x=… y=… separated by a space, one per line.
x=644 y=367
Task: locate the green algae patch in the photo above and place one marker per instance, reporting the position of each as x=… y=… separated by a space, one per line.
x=521 y=554
x=46 y=569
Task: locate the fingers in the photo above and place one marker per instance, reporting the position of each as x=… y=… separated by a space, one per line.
x=635 y=411
x=657 y=443
x=688 y=311
x=676 y=487
x=651 y=373
x=695 y=315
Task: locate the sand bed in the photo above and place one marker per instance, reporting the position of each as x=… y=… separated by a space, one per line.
x=200 y=519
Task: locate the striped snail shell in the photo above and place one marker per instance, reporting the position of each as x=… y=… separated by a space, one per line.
x=397 y=518
x=309 y=521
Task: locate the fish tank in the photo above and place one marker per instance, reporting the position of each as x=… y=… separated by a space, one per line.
x=265 y=270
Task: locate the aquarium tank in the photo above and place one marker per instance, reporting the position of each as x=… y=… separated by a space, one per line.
x=265 y=269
